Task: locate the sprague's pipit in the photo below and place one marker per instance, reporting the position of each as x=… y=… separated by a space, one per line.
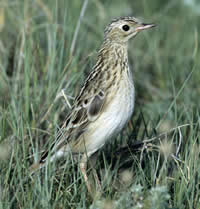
x=105 y=102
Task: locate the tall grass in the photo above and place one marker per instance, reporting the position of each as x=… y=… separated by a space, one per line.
x=154 y=162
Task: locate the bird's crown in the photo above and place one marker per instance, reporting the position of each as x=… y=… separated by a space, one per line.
x=122 y=29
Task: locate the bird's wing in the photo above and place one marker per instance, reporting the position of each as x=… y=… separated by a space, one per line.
x=86 y=109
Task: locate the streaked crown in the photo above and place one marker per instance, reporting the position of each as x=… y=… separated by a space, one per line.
x=122 y=29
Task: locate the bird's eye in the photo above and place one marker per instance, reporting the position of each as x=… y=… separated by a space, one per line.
x=125 y=27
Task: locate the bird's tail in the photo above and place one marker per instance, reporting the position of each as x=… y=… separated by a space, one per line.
x=49 y=156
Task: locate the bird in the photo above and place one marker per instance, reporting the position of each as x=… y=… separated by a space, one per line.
x=105 y=102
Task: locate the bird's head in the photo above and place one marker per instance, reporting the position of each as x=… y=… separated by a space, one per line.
x=122 y=29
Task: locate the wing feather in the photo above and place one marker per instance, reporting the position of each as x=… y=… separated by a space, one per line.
x=76 y=123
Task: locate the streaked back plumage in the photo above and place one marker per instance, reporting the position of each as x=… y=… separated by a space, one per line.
x=106 y=100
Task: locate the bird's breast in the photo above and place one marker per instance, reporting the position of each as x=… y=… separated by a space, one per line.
x=114 y=116
x=121 y=107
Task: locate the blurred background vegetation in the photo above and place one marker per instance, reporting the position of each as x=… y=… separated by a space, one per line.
x=43 y=50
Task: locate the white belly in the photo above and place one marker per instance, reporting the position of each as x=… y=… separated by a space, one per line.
x=111 y=122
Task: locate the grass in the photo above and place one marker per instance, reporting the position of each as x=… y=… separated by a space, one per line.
x=154 y=162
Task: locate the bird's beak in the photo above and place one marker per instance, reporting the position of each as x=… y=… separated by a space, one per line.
x=144 y=26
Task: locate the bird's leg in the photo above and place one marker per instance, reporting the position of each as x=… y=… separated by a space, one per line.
x=93 y=161
x=97 y=180
x=83 y=167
